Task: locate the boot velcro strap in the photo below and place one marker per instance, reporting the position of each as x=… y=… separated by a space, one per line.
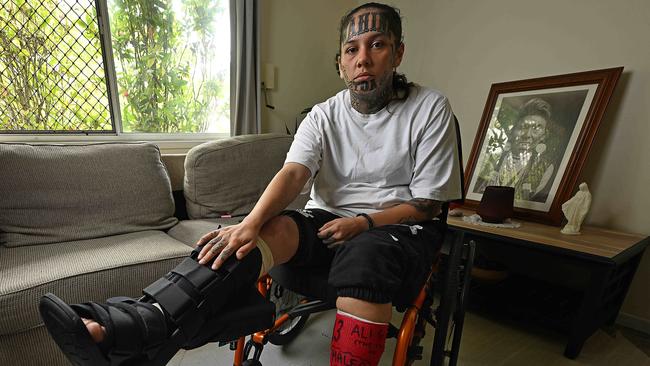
x=171 y=297
x=151 y=323
x=186 y=310
x=197 y=274
x=191 y=291
x=127 y=337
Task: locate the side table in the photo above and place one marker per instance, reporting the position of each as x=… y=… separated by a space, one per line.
x=607 y=258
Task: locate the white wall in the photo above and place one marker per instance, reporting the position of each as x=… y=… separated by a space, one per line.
x=300 y=38
x=463 y=46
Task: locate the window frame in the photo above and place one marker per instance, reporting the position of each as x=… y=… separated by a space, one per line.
x=167 y=142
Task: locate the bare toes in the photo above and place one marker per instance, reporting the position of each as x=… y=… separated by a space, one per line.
x=97 y=332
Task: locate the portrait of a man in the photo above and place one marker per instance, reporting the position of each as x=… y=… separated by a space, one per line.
x=526 y=141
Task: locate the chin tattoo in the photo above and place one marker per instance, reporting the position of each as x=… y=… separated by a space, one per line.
x=363 y=86
x=374 y=98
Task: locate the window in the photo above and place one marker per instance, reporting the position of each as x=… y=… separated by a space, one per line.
x=172 y=64
x=51 y=73
x=163 y=69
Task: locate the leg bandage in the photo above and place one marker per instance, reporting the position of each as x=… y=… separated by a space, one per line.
x=357 y=341
x=267 y=256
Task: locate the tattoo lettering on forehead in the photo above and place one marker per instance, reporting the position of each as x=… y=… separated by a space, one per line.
x=367 y=22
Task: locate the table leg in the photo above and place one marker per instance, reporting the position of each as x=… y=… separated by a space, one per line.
x=587 y=318
x=624 y=274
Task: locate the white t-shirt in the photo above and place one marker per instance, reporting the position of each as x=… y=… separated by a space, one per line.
x=364 y=163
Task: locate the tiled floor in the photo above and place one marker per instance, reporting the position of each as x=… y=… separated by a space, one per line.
x=639 y=339
x=485 y=342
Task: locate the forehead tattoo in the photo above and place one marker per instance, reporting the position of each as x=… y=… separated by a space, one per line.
x=367 y=22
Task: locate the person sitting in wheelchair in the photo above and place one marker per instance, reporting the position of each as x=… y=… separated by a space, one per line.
x=381 y=158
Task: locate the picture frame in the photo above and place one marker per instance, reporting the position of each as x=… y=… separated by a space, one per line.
x=535 y=135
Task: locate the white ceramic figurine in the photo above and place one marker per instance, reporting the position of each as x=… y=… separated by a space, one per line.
x=575 y=210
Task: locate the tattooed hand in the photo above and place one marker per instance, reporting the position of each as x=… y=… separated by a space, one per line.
x=224 y=242
x=339 y=230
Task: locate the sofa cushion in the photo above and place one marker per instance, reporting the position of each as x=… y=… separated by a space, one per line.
x=79 y=271
x=228 y=176
x=190 y=231
x=58 y=193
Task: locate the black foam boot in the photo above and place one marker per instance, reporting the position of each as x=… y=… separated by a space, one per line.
x=199 y=305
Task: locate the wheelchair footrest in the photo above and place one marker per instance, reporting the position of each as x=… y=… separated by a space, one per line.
x=242 y=316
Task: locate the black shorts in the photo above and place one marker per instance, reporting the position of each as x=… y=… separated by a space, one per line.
x=386 y=264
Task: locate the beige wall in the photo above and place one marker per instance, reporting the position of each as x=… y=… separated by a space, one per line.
x=300 y=39
x=463 y=46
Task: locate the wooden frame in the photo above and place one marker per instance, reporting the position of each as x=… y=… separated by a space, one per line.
x=535 y=135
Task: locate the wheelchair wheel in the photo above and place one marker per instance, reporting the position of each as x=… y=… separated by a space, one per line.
x=450 y=314
x=415 y=349
x=463 y=294
x=251 y=363
x=284 y=301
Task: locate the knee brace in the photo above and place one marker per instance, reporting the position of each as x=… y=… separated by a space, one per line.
x=191 y=294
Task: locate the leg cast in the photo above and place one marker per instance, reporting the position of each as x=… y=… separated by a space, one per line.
x=357 y=341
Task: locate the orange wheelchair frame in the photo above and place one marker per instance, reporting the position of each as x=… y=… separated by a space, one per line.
x=449 y=277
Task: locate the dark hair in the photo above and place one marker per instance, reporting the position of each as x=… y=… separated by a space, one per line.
x=540 y=107
x=401 y=85
x=535 y=106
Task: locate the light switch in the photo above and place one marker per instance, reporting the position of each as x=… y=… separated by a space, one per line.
x=268 y=76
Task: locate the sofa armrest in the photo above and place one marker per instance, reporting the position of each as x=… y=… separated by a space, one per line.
x=227 y=177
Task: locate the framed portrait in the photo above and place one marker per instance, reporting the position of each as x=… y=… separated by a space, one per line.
x=535 y=135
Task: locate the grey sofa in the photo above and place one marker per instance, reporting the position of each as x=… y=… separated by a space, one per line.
x=88 y=222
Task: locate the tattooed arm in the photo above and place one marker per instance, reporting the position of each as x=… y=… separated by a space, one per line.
x=415 y=210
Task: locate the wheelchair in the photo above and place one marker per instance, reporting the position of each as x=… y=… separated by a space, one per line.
x=441 y=303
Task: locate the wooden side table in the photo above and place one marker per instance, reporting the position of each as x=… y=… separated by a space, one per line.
x=607 y=258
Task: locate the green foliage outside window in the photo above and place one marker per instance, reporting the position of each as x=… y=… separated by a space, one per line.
x=162 y=57
x=51 y=74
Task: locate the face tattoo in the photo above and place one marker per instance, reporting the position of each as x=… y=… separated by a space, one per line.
x=369 y=95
